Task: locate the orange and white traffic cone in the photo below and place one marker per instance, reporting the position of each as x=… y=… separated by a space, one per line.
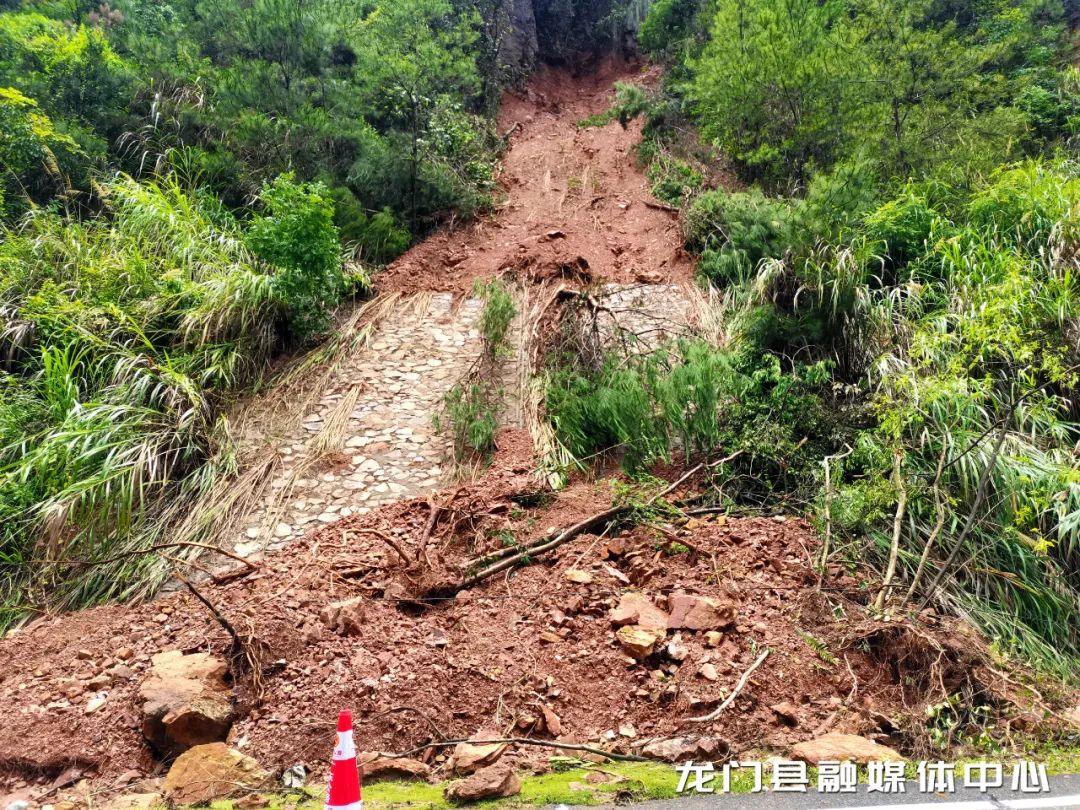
x=343 y=791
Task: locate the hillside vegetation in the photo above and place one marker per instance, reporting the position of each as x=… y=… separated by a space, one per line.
x=899 y=286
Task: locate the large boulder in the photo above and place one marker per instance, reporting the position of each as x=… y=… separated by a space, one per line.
x=214 y=771
x=186 y=701
x=684 y=749
x=836 y=747
x=692 y=612
x=494 y=781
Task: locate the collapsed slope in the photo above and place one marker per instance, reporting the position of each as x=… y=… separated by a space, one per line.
x=497 y=657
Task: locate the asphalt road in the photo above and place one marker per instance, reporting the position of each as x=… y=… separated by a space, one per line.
x=1064 y=793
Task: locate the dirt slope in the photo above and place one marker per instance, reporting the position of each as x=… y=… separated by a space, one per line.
x=570 y=194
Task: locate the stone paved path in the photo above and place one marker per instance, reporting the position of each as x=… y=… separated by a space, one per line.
x=389 y=448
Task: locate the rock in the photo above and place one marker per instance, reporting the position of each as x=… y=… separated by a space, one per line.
x=682 y=749
x=842 y=747
x=627 y=730
x=676 y=649
x=294 y=777
x=708 y=672
x=375 y=766
x=468 y=757
x=494 y=781
x=18 y=804
x=213 y=771
x=94 y=704
x=713 y=638
x=787 y=712
x=691 y=612
x=252 y=801
x=577 y=576
x=345 y=617
x=186 y=701
x=637 y=642
x=552 y=721
x=636 y=608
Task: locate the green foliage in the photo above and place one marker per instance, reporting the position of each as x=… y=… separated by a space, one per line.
x=700 y=399
x=124 y=337
x=672 y=180
x=471 y=416
x=668 y=30
x=297 y=235
x=499 y=312
x=735 y=231
x=786 y=85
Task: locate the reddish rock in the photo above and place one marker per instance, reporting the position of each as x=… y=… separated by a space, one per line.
x=186 y=701
x=494 y=781
x=843 y=747
x=214 y=771
x=691 y=612
x=636 y=608
x=346 y=617
x=638 y=643
x=683 y=749
x=468 y=757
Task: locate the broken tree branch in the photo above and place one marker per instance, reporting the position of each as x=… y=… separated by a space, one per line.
x=734 y=692
x=605 y=518
x=390 y=541
x=522 y=741
x=898 y=528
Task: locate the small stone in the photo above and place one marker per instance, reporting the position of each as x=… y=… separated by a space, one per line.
x=627 y=730
x=638 y=643
x=577 y=576
x=708 y=672
x=691 y=612
x=283 y=530
x=787 y=712
x=713 y=638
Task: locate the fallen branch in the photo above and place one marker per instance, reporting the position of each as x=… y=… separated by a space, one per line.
x=661 y=207
x=390 y=541
x=605 y=517
x=238 y=643
x=898 y=528
x=734 y=693
x=522 y=741
x=153 y=549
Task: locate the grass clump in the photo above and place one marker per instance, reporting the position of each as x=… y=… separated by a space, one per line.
x=471 y=409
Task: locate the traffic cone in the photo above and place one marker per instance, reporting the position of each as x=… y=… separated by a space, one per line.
x=343 y=791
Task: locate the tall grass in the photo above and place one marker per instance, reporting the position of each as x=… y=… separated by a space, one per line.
x=954 y=315
x=123 y=339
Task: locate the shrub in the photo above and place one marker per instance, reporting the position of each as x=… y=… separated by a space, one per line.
x=297 y=235
x=737 y=230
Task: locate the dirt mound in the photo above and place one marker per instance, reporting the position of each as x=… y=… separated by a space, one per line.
x=572 y=196
x=534 y=643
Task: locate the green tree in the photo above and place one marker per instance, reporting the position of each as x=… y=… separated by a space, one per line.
x=771 y=87
x=410 y=53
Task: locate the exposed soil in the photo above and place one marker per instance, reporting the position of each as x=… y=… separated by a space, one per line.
x=486 y=659
x=575 y=201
